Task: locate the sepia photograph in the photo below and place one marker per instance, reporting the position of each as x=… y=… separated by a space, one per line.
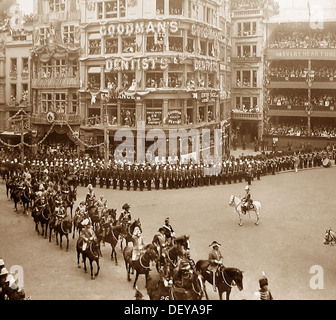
x=167 y=150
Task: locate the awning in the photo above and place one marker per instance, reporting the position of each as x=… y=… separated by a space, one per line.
x=95 y=36
x=94 y=70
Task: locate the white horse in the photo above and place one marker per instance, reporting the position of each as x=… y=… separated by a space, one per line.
x=236 y=202
x=330 y=237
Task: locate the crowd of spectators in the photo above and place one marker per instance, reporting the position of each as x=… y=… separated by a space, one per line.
x=301 y=130
x=292 y=100
x=291 y=72
x=247 y=109
x=315 y=39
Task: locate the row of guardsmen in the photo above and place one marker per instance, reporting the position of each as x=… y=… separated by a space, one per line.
x=124 y=175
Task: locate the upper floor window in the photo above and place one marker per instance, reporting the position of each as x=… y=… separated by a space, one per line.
x=43 y=33
x=246 y=29
x=68 y=34
x=13 y=66
x=176 y=42
x=175 y=7
x=25 y=67
x=56 y=5
x=159 y=6
x=94 y=43
x=111 y=9
x=111 y=45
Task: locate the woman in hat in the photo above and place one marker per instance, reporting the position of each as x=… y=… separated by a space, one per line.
x=216 y=260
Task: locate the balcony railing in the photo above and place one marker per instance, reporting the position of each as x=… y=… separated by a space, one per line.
x=247 y=12
x=71 y=119
x=240 y=115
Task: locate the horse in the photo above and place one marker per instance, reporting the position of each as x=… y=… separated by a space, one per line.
x=94 y=215
x=70 y=199
x=26 y=198
x=77 y=224
x=225 y=278
x=127 y=234
x=9 y=186
x=329 y=237
x=112 y=237
x=142 y=264
x=236 y=202
x=195 y=290
x=91 y=252
x=63 y=229
x=16 y=195
x=41 y=215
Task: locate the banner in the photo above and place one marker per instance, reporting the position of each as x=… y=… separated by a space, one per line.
x=301 y=54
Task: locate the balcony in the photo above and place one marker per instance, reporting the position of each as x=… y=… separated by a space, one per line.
x=240 y=115
x=71 y=119
x=13 y=75
x=278 y=82
x=247 y=13
x=246 y=59
x=63 y=83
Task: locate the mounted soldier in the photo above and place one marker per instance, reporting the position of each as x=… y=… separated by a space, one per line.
x=87 y=234
x=90 y=197
x=247 y=202
x=215 y=260
x=125 y=217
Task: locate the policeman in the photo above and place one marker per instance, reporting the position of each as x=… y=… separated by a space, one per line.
x=149 y=178
x=128 y=177
x=164 y=176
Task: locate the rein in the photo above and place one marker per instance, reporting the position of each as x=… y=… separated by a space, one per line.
x=171 y=261
x=223 y=276
x=141 y=264
x=96 y=256
x=199 y=293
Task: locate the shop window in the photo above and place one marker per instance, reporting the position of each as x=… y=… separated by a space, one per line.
x=68 y=34
x=153 y=112
x=176 y=42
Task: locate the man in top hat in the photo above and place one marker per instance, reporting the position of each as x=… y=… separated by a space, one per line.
x=264 y=293
x=169 y=231
x=216 y=260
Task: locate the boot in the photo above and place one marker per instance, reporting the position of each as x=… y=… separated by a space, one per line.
x=214 y=281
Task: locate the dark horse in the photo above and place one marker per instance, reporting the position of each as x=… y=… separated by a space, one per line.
x=112 y=237
x=195 y=290
x=62 y=229
x=26 y=198
x=41 y=214
x=70 y=199
x=128 y=232
x=225 y=278
x=94 y=215
x=91 y=252
x=16 y=192
x=142 y=264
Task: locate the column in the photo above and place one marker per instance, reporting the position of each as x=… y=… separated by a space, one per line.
x=165 y=110
x=184 y=111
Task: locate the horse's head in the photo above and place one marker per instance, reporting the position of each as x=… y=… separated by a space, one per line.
x=183 y=242
x=198 y=285
x=151 y=252
x=236 y=277
x=329 y=237
x=137 y=223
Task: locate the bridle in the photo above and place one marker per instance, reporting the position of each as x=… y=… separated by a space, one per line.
x=141 y=264
x=226 y=282
x=199 y=293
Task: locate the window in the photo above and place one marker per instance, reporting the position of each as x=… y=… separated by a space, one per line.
x=203 y=47
x=128 y=80
x=175 y=77
x=25 y=68
x=155 y=43
x=190 y=43
x=211 y=49
x=190 y=112
x=94 y=78
x=159 y=7
x=129 y=45
x=68 y=34
x=190 y=83
x=60 y=68
x=154 y=79
x=43 y=33
x=94 y=43
x=111 y=45
x=211 y=80
x=73 y=68
x=127 y=113
x=25 y=92
x=46 y=70
x=60 y=102
x=176 y=42
x=111 y=9
x=13 y=65
x=175 y=7
x=153 y=112
x=246 y=78
x=111 y=81
x=13 y=92
x=46 y=102
x=209 y=15
x=254 y=79
x=73 y=103
x=174 y=115
x=56 y=5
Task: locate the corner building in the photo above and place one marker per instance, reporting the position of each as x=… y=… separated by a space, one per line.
x=163 y=62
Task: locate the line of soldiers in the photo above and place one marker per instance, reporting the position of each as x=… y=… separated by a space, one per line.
x=122 y=175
